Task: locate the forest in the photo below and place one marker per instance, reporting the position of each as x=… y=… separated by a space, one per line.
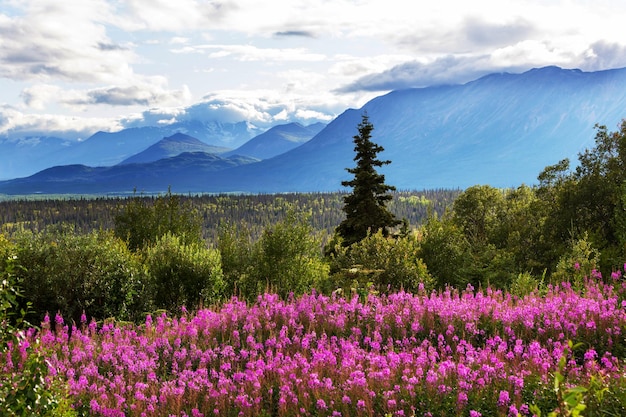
x=528 y=276
x=89 y=213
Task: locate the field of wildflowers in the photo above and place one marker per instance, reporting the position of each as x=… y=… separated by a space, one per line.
x=448 y=353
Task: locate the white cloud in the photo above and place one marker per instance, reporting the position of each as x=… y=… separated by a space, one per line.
x=16 y=123
x=146 y=92
x=61 y=40
x=249 y=53
x=602 y=55
x=165 y=15
x=130 y=95
x=39 y=95
x=282 y=60
x=261 y=108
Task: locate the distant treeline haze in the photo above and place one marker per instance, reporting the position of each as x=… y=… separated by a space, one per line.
x=256 y=211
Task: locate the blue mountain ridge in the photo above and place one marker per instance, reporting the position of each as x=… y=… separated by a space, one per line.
x=501 y=129
x=82 y=179
x=20 y=157
x=172 y=146
x=277 y=140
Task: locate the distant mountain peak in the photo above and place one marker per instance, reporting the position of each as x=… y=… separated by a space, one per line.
x=171 y=146
x=278 y=139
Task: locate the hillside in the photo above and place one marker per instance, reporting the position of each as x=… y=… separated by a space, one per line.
x=173 y=146
x=278 y=140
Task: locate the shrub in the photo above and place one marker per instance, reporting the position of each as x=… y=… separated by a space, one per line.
x=579 y=262
x=237 y=252
x=183 y=274
x=525 y=284
x=24 y=390
x=287 y=258
x=93 y=273
x=388 y=263
x=445 y=251
x=143 y=220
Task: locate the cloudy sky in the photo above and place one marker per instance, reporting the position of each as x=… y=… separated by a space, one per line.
x=73 y=67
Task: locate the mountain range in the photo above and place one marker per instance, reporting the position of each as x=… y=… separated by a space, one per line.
x=501 y=129
x=24 y=156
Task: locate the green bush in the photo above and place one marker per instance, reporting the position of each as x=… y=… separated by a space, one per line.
x=386 y=262
x=183 y=274
x=525 y=284
x=237 y=251
x=446 y=252
x=580 y=261
x=95 y=273
x=27 y=390
x=143 y=220
x=287 y=258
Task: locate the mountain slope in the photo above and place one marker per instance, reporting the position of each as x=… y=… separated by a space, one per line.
x=27 y=154
x=172 y=146
x=154 y=176
x=278 y=139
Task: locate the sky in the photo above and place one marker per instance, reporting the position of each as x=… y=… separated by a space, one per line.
x=73 y=67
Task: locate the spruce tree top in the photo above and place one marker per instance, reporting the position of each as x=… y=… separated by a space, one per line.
x=365 y=207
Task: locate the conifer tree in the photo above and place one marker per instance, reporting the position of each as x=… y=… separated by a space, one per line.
x=365 y=207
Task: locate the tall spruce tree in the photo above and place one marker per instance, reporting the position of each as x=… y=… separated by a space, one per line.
x=365 y=207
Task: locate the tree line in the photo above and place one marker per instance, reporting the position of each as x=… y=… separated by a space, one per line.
x=86 y=214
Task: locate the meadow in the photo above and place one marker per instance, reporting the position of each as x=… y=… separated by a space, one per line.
x=476 y=352
x=508 y=303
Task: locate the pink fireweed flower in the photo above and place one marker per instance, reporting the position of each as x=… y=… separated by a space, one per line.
x=321 y=404
x=577 y=266
x=590 y=355
x=503 y=398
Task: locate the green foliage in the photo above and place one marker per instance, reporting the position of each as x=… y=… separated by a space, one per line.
x=525 y=284
x=23 y=391
x=144 y=220
x=487 y=239
x=589 y=199
x=388 y=263
x=237 y=252
x=580 y=261
x=445 y=251
x=257 y=211
x=476 y=211
x=183 y=274
x=365 y=207
x=286 y=258
x=71 y=273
